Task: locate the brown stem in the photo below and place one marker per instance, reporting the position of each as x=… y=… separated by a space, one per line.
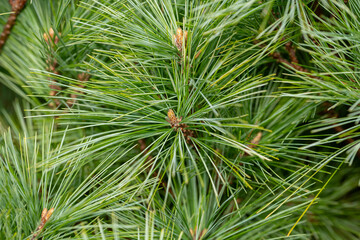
x=51 y=39
x=55 y=88
x=293 y=63
x=338 y=129
x=348 y=140
x=16 y=6
x=83 y=77
x=292 y=52
x=277 y=56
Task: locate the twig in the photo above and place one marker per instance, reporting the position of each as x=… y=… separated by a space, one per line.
x=51 y=39
x=83 y=77
x=339 y=129
x=292 y=52
x=45 y=216
x=16 y=6
x=277 y=56
x=143 y=148
x=55 y=88
x=293 y=63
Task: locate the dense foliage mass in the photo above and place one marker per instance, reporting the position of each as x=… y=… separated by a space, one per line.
x=203 y=119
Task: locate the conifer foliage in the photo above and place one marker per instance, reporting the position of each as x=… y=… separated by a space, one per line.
x=201 y=119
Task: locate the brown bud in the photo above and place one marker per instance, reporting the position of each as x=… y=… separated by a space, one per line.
x=43 y=213
x=50 y=37
x=171 y=115
x=179 y=33
x=48 y=214
x=257 y=138
x=179 y=38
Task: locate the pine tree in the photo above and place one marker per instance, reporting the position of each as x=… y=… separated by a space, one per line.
x=203 y=119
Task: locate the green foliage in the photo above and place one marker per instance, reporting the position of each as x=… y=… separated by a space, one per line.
x=184 y=119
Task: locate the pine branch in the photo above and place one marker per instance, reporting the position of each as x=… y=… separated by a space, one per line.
x=141 y=68
x=16 y=6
